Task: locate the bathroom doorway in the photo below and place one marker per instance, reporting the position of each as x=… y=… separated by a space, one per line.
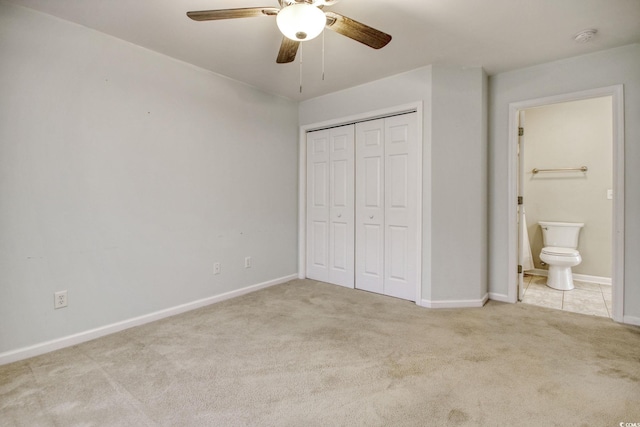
x=568 y=167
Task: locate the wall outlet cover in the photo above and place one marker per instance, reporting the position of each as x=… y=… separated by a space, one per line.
x=60 y=299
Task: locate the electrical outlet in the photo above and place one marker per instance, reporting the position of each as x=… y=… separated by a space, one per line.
x=247 y=262
x=60 y=299
x=216 y=268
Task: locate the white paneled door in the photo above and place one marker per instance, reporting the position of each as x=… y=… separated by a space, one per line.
x=400 y=207
x=330 y=205
x=362 y=206
x=386 y=206
x=370 y=206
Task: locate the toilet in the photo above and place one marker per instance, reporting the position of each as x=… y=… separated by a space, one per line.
x=560 y=252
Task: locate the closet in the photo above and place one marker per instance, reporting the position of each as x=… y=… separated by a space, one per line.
x=362 y=212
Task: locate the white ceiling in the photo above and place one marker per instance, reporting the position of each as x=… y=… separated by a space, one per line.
x=498 y=35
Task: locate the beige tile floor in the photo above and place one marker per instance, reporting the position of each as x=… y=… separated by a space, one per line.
x=585 y=298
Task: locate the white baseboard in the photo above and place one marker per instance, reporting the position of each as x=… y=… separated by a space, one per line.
x=499 y=297
x=455 y=303
x=71 y=340
x=581 y=277
x=631 y=320
x=592 y=279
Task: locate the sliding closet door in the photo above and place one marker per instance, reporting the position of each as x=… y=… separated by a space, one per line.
x=330 y=205
x=370 y=161
x=401 y=196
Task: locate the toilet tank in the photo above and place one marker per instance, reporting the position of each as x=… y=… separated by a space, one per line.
x=560 y=234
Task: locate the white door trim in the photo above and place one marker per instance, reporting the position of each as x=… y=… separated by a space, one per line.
x=617 y=276
x=302 y=178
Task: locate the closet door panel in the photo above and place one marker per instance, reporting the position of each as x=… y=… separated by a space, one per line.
x=370 y=206
x=341 y=209
x=319 y=251
x=400 y=211
x=397 y=176
x=397 y=252
x=340 y=189
x=372 y=166
x=318 y=205
x=372 y=263
x=320 y=192
x=330 y=205
x=339 y=238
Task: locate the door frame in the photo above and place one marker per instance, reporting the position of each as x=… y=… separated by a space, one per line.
x=424 y=217
x=520 y=208
x=617 y=266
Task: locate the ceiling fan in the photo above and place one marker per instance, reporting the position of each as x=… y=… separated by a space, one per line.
x=301 y=20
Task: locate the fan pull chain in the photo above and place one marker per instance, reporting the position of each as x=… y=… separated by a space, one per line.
x=301 y=44
x=323 y=54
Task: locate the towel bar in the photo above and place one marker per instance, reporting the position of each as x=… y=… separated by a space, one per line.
x=581 y=169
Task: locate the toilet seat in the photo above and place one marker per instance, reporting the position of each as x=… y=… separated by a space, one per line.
x=555 y=251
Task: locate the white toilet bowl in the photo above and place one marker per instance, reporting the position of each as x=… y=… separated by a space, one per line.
x=560 y=261
x=560 y=252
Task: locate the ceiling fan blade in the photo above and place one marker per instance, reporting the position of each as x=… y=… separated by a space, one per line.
x=245 y=12
x=357 y=31
x=288 y=51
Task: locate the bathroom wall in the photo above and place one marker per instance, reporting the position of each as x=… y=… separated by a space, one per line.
x=571 y=134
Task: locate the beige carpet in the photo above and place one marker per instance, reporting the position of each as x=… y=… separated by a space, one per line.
x=312 y=354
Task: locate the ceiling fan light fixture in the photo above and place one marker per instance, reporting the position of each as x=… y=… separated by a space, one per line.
x=301 y=21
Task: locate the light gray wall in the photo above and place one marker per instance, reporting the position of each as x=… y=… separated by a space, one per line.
x=571 y=134
x=454 y=168
x=459 y=184
x=601 y=69
x=125 y=174
x=392 y=91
